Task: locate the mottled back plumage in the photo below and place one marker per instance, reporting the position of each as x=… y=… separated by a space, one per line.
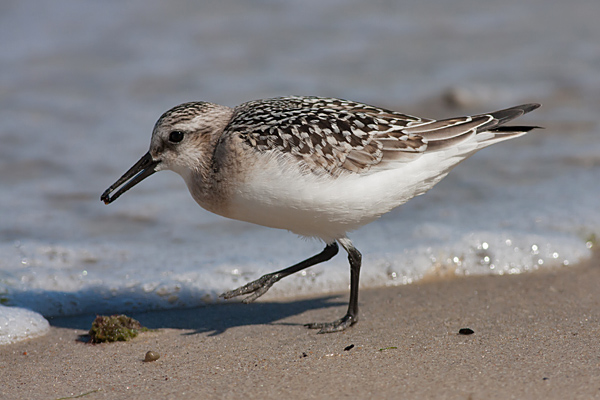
x=334 y=136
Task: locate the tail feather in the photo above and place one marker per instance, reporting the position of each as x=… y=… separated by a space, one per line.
x=508 y=114
x=461 y=136
x=487 y=128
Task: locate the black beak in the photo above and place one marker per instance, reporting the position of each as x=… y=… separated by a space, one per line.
x=140 y=171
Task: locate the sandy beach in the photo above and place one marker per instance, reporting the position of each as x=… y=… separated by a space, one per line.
x=81 y=87
x=535 y=336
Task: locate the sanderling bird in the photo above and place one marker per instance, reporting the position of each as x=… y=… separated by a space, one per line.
x=318 y=167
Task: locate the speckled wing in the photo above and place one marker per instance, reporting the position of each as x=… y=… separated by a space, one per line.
x=329 y=135
x=333 y=136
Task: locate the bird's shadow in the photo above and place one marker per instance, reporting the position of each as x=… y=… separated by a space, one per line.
x=214 y=319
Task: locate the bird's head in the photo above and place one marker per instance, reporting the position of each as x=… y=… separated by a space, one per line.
x=183 y=138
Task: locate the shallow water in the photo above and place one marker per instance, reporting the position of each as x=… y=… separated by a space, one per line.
x=81 y=85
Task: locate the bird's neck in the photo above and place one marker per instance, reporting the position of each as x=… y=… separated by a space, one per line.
x=205 y=181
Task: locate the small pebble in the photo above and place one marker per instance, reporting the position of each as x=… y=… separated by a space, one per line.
x=347 y=348
x=151 y=356
x=466 y=331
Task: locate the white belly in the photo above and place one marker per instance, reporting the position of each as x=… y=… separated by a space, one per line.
x=280 y=196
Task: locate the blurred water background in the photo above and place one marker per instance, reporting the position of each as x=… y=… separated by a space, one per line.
x=82 y=83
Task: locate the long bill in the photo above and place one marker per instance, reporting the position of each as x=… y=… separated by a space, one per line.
x=142 y=169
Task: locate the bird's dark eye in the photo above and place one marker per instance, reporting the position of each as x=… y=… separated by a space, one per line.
x=175 y=136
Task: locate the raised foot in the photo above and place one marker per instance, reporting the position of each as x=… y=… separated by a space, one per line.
x=257 y=288
x=336 y=326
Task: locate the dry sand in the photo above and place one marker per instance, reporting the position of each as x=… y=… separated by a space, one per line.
x=535 y=336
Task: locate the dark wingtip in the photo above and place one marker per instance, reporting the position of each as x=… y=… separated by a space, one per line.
x=513 y=112
x=508 y=114
x=529 y=107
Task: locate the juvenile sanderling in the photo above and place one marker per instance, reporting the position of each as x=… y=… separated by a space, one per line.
x=319 y=167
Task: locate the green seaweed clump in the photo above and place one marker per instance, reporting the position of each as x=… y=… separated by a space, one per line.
x=116 y=328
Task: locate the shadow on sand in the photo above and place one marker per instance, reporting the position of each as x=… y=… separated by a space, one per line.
x=214 y=319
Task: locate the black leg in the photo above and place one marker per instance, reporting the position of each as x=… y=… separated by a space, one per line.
x=351 y=317
x=264 y=283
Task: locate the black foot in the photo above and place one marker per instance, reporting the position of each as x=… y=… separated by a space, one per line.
x=257 y=288
x=336 y=326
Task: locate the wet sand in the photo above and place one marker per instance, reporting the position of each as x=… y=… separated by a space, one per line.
x=535 y=336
